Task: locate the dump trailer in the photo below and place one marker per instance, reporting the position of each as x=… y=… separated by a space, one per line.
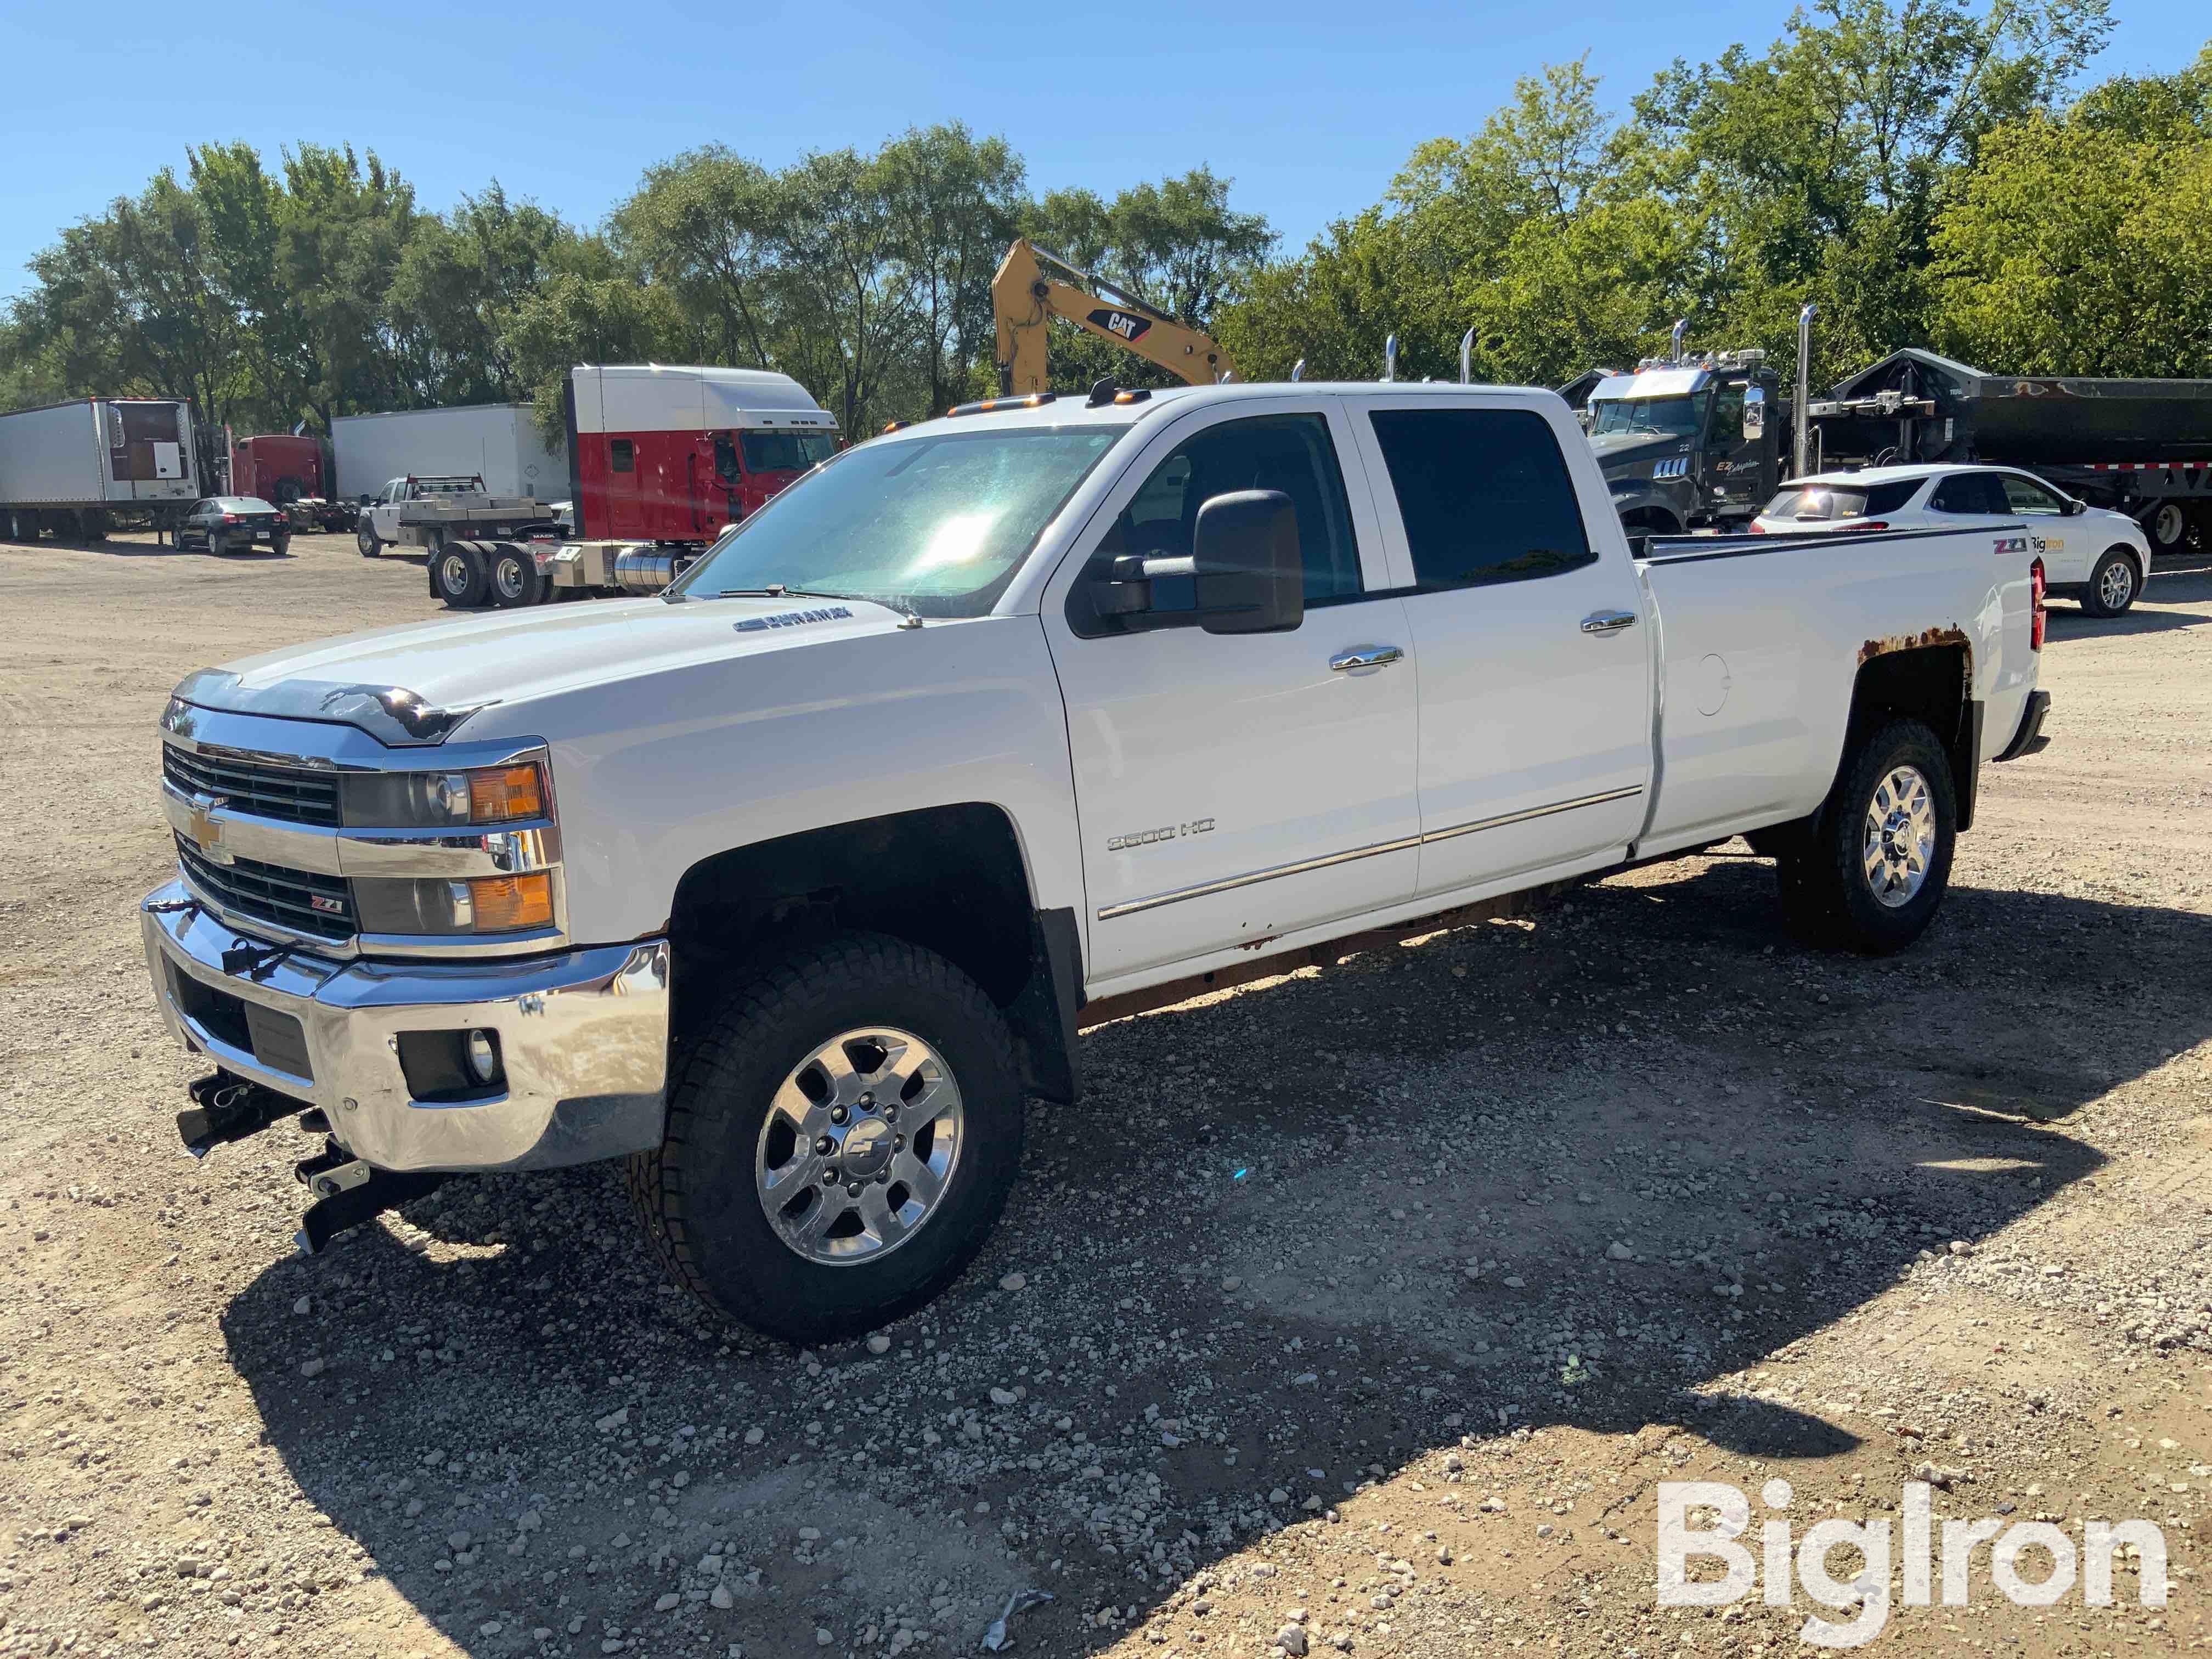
x=498 y=442
x=2142 y=447
x=77 y=470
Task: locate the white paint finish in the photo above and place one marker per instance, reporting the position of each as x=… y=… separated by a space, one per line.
x=499 y=441
x=1291 y=760
x=674 y=397
x=1520 y=710
x=59 y=457
x=2070 y=545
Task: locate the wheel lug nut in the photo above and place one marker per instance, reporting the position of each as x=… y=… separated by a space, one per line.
x=829 y=1177
x=890 y=1114
x=825 y=1146
x=898 y=1143
x=838 y=1114
x=853 y=1190
x=867 y=1097
x=883 y=1178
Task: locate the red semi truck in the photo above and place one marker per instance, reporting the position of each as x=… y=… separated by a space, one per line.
x=662 y=459
x=290 y=472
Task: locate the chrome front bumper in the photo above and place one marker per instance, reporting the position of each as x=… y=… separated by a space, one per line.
x=583 y=1036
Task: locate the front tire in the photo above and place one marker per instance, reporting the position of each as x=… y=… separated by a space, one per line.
x=364 y=537
x=897 y=1062
x=457 y=574
x=1873 y=864
x=2113 y=584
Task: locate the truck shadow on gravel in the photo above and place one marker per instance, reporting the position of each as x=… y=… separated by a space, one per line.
x=1570 y=1170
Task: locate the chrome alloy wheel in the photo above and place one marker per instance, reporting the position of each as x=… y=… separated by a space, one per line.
x=453 y=573
x=507 y=576
x=1900 y=836
x=2116 y=586
x=859 y=1145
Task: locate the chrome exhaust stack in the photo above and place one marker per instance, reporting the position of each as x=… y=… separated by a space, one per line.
x=1674 y=340
x=1390 y=359
x=1802 y=451
x=1466 y=358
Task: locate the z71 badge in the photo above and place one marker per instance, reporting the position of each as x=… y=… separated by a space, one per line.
x=1152 y=837
x=2012 y=544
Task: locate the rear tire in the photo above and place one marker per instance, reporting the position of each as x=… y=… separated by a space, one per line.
x=216 y=545
x=2166 y=524
x=516 y=581
x=281 y=544
x=2113 y=584
x=1875 y=860
x=364 y=537
x=709 y=1197
x=458 y=575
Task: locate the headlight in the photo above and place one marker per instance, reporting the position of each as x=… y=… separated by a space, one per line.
x=481 y=904
x=439 y=800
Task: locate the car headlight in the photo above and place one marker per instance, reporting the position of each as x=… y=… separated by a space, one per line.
x=440 y=800
x=478 y=904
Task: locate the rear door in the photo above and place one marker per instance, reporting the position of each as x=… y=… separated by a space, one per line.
x=1233 y=789
x=1536 y=733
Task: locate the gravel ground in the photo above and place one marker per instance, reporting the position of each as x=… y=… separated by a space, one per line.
x=1362 y=1309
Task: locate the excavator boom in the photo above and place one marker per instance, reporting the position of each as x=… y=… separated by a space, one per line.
x=1033 y=287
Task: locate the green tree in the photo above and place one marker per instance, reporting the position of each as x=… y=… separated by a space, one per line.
x=955 y=202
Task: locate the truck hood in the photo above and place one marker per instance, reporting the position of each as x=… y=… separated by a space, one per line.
x=1622 y=449
x=415 y=685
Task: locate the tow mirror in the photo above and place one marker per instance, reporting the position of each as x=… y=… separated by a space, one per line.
x=1244 y=554
x=1754 y=412
x=1246 y=571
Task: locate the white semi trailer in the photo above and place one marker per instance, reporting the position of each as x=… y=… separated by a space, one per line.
x=499 y=443
x=73 y=470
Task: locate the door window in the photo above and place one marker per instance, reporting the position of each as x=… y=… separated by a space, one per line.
x=1485 y=495
x=1290 y=453
x=1727 y=414
x=622 y=455
x=2025 y=494
x=1976 y=494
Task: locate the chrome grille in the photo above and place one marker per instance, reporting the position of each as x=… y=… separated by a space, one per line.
x=271 y=893
x=292 y=794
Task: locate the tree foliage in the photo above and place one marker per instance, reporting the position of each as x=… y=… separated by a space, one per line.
x=1922 y=170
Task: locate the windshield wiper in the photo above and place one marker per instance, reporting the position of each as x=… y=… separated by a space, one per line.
x=778 y=591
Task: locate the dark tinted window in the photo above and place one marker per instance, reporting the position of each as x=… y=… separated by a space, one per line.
x=1980 y=493
x=1484 y=495
x=1289 y=452
x=786 y=452
x=2024 y=494
x=621 y=455
x=1886 y=498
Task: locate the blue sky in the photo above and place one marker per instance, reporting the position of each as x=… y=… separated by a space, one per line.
x=1309 y=107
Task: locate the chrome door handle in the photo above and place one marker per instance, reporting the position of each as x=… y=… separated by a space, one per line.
x=1366 y=656
x=1608 y=622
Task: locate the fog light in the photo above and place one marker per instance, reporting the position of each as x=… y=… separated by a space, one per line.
x=484 y=1056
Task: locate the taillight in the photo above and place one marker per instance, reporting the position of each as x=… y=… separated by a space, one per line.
x=1757 y=528
x=230 y=518
x=2035 y=582
x=1865 y=524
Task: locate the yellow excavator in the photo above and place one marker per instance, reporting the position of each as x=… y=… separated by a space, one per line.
x=1033 y=287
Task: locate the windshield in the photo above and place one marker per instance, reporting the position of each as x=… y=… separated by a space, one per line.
x=1662 y=417
x=938 y=525
x=785 y=451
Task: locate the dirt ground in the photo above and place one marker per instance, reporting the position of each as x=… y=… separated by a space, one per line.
x=1362 y=1310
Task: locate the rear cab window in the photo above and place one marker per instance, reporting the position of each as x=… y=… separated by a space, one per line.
x=1484 y=494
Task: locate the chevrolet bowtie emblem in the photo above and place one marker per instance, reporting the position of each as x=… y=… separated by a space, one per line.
x=206 y=833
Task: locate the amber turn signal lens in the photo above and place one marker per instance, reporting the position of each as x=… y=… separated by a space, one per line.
x=501 y=794
x=507 y=904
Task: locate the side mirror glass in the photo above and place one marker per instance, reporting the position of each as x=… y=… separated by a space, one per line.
x=2075 y=509
x=1754 y=412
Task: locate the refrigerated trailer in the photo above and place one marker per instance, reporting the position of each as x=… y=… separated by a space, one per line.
x=498 y=442
x=78 y=469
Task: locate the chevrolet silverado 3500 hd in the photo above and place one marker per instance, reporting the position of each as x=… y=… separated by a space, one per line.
x=789 y=883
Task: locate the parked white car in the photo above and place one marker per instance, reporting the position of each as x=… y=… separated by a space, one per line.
x=2088 y=554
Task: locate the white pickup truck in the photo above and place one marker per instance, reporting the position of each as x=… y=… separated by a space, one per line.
x=790 y=884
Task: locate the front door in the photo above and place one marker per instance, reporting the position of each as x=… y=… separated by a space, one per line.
x=1531 y=650
x=1736 y=481
x=1234 y=788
